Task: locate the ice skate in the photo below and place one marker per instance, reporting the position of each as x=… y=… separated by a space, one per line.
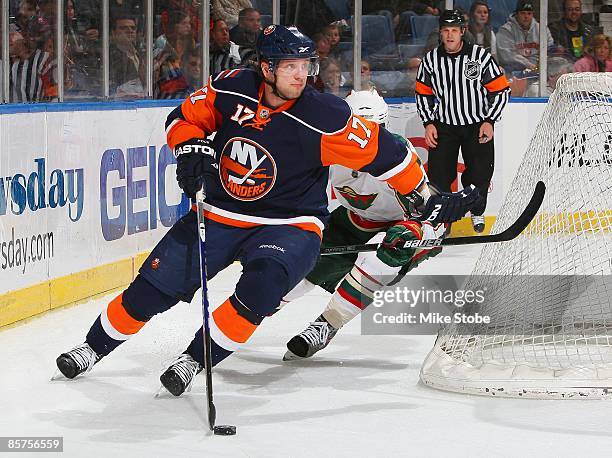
x=312 y=339
x=179 y=376
x=76 y=361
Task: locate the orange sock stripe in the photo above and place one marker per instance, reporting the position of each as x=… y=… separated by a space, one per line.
x=120 y=319
x=234 y=326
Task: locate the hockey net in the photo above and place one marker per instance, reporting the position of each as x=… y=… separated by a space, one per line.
x=548 y=291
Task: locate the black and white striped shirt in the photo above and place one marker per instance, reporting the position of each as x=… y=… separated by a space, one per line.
x=224 y=59
x=460 y=89
x=29 y=77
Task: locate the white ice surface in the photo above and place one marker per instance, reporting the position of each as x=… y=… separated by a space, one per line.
x=359 y=397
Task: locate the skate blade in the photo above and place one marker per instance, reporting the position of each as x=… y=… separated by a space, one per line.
x=290 y=356
x=162 y=392
x=57 y=375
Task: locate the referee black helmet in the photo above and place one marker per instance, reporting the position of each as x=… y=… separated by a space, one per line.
x=452 y=18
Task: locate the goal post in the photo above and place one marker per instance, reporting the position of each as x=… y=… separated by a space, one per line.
x=549 y=291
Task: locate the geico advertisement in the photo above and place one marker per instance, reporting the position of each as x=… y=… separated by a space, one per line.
x=69 y=204
x=137 y=191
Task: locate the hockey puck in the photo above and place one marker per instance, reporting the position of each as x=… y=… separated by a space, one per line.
x=224 y=430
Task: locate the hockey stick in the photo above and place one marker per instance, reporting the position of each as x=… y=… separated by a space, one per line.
x=224 y=430
x=512 y=232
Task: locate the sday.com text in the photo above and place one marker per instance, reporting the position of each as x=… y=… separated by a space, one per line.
x=21 y=250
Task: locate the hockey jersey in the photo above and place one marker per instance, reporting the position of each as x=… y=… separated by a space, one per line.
x=273 y=163
x=373 y=204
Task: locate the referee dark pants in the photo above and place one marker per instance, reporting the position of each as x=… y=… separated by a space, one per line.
x=477 y=157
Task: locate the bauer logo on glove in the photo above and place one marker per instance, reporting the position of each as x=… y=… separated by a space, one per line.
x=407 y=243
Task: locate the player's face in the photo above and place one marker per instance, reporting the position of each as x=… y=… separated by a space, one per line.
x=291 y=75
x=451 y=38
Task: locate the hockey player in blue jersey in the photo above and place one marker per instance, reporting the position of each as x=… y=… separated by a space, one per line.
x=266 y=203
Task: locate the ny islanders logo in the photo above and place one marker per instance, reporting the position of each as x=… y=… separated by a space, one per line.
x=247 y=170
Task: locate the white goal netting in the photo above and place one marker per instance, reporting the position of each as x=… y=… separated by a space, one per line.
x=549 y=294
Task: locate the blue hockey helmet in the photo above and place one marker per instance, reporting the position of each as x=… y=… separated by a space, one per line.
x=277 y=42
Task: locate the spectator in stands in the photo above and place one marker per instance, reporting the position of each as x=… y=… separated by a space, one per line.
x=72 y=38
x=597 y=55
x=366 y=75
x=88 y=14
x=30 y=71
x=332 y=32
x=322 y=45
x=26 y=16
x=126 y=59
x=246 y=31
x=193 y=69
x=480 y=28
x=331 y=76
x=178 y=34
x=170 y=50
x=47 y=10
x=570 y=31
x=79 y=69
x=228 y=10
x=190 y=7
x=224 y=54
x=518 y=40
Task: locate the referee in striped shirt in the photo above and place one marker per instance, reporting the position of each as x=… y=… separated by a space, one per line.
x=460 y=93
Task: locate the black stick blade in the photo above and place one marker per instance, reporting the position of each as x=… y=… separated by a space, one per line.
x=515 y=228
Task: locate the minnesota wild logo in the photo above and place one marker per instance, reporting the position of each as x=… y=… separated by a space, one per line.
x=359 y=201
